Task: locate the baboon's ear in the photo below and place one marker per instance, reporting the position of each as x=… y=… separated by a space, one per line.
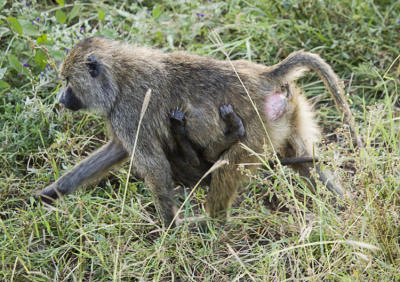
x=93 y=65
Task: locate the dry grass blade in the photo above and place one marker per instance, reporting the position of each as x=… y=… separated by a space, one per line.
x=240 y=262
x=145 y=104
x=349 y=242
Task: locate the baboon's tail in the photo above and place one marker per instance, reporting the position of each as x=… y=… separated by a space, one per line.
x=294 y=66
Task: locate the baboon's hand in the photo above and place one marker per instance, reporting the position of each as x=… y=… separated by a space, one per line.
x=48 y=195
x=226 y=112
x=177 y=116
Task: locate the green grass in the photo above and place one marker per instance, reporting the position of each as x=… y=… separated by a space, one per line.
x=94 y=235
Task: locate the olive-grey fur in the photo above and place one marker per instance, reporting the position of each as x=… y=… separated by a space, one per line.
x=199 y=86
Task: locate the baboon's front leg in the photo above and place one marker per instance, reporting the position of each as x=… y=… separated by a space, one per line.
x=87 y=170
x=160 y=186
x=158 y=177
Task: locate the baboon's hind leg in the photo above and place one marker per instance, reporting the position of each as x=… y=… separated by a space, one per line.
x=298 y=148
x=222 y=193
x=302 y=143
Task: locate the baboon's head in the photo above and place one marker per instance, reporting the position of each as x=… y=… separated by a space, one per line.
x=89 y=77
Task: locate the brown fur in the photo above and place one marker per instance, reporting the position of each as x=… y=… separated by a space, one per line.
x=198 y=85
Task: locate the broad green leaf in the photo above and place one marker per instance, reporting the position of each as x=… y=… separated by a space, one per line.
x=41 y=58
x=108 y=33
x=29 y=28
x=157 y=11
x=74 y=12
x=16 y=65
x=60 y=2
x=14 y=62
x=56 y=55
x=15 y=25
x=43 y=40
x=159 y=36
x=101 y=14
x=4 y=84
x=60 y=16
x=2 y=3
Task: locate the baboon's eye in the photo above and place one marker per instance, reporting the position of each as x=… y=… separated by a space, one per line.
x=93 y=65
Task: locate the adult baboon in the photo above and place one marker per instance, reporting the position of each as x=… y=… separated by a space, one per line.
x=112 y=78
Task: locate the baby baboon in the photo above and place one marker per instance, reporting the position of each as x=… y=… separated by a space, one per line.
x=192 y=162
x=189 y=161
x=112 y=78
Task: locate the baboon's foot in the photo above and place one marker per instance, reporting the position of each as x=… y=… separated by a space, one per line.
x=233 y=121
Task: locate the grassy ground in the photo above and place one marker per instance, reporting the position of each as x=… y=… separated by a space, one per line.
x=94 y=235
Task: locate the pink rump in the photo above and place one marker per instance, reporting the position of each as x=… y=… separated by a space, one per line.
x=275 y=106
